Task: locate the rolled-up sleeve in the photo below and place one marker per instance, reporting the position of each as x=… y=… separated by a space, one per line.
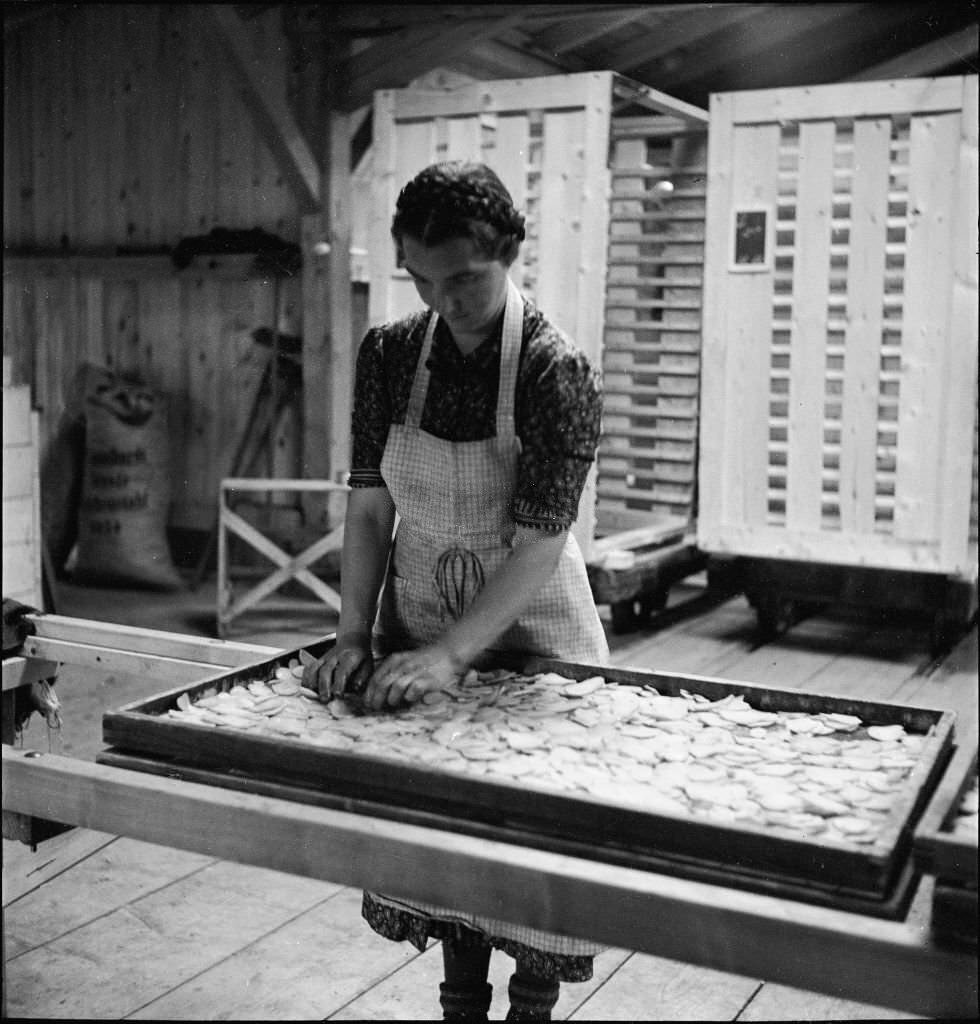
x=559 y=417
x=371 y=413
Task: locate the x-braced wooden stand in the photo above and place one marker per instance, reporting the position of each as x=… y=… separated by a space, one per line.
x=290 y=566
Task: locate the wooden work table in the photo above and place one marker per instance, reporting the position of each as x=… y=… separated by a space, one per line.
x=889 y=963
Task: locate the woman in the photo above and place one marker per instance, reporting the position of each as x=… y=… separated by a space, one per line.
x=477 y=422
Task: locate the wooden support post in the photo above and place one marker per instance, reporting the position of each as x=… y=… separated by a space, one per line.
x=336 y=190
x=328 y=345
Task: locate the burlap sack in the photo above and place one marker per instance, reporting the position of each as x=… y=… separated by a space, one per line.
x=122 y=524
x=62 y=466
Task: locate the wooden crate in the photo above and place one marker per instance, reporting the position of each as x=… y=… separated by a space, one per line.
x=876 y=879
x=22 y=576
x=839 y=384
x=647 y=464
x=551 y=139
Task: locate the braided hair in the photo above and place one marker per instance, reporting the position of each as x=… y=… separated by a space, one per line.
x=459 y=199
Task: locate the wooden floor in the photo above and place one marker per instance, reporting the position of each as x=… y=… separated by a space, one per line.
x=98 y=926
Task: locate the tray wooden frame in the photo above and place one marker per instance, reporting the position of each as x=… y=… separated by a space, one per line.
x=951 y=858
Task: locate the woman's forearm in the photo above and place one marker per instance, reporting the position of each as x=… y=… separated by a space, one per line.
x=506 y=594
x=367 y=541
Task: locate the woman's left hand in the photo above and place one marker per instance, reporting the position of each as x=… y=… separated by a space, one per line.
x=406 y=677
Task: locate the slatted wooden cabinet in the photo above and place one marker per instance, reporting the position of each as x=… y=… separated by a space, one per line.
x=610 y=256
x=839 y=385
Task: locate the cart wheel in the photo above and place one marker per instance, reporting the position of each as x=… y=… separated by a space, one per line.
x=947 y=627
x=774 y=614
x=654 y=601
x=624 y=617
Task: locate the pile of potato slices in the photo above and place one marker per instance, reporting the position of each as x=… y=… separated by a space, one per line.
x=793 y=773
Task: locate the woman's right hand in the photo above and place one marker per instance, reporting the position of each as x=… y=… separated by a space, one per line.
x=346 y=669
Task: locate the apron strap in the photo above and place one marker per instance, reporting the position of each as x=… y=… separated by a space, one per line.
x=510 y=354
x=420 y=386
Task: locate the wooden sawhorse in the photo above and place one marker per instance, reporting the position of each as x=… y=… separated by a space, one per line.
x=290 y=566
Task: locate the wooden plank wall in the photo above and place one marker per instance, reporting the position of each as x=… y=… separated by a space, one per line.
x=651 y=354
x=839 y=388
x=121 y=130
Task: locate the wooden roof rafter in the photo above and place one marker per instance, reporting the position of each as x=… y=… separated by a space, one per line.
x=680 y=30
x=929 y=59
x=396 y=60
x=764 y=31
x=267 y=105
x=571 y=33
x=377 y=19
x=628 y=93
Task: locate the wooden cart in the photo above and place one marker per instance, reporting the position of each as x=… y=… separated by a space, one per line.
x=839 y=383
x=850 y=955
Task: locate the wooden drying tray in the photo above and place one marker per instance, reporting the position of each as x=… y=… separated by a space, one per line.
x=848 y=955
x=877 y=878
x=951 y=858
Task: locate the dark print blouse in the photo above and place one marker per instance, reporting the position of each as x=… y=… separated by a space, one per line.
x=558 y=407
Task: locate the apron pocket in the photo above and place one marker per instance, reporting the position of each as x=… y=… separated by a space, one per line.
x=408 y=617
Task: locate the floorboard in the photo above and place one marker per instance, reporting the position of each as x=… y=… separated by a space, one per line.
x=309 y=967
x=130 y=955
x=652 y=988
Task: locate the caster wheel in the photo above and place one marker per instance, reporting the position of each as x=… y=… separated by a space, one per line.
x=946 y=630
x=624 y=617
x=774 y=615
x=655 y=601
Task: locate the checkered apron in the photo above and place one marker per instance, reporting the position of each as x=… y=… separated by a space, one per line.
x=455 y=529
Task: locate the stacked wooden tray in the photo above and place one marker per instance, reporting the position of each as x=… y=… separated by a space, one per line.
x=946 y=847
x=720 y=781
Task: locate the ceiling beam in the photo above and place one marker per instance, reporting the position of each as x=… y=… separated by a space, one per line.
x=770 y=29
x=506 y=59
x=267 y=105
x=374 y=19
x=571 y=34
x=674 y=32
x=925 y=60
x=396 y=60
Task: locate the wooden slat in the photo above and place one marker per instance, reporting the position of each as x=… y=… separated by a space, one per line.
x=878 y=550
x=747 y=295
x=563 y=170
x=593 y=230
x=506 y=96
x=933 y=169
x=139 y=640
x=508 y=158
x=958 y=470
x=119 y=660
x=871 y=99
x=808 y=336
x=866 y=275
x=716 y=499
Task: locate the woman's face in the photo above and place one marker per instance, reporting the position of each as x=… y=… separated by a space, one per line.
x=466 y=288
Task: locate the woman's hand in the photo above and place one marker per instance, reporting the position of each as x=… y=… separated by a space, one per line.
x=347 y=668
x=406 y=677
